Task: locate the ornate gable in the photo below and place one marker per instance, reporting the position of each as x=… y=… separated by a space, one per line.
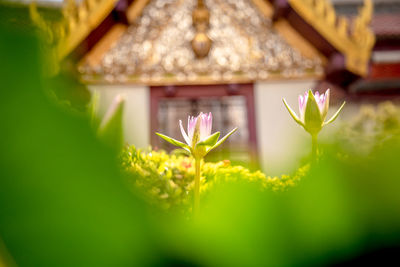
x=157 y=48
x=156 y=42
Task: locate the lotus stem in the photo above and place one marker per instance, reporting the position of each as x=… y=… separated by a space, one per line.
x=196 y=206
x=314 y=146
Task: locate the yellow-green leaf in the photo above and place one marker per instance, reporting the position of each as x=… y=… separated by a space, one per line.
x=173 y=141
x=223 y=139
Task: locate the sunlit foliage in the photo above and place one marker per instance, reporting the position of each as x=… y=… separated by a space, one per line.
x=168 y=180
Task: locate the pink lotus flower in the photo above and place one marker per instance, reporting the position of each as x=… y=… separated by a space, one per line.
x=199 y=140
x=205 y=125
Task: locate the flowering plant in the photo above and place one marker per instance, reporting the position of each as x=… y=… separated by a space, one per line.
x=199 y=141
x=313 y=110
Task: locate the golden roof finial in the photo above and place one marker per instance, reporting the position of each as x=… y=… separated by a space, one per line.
x=201 y=43
x=356 y=46
x=361 y=31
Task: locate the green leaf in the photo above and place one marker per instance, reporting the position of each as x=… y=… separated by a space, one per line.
x=312 y=115
x=203 y=147
x=223 y=139
x=93 y=109
x=180 y=152
x=174 y=142
x=292 y=113
x=110 y=130
x=210 y=141
x=335 y=115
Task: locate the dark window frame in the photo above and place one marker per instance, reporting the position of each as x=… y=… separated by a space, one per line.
x=158 y=93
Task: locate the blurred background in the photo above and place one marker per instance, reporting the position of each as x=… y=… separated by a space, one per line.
x=63 y=201
x=237 y=59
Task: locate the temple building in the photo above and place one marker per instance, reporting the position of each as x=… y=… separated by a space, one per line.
x=234 y=58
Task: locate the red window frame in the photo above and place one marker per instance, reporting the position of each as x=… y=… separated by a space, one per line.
x=158 y=93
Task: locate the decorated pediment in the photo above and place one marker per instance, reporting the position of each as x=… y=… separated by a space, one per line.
x=163 y=44
x=195 y=41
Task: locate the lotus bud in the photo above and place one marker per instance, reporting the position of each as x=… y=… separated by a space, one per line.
x=313 y=109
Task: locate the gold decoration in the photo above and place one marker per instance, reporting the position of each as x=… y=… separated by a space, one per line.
x=135 y=9
x=201 y=43
x=157 y=48
x=295 y=39
x=355 y=43
x=77 y=23
x=95 y=55
x=200 y=15
x=265 y=7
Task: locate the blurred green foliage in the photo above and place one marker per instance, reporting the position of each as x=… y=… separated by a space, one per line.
x=371 y=128
x=67 y=90
x=168 y=179
x=61 y=201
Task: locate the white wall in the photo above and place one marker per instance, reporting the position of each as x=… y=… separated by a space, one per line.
x=281 y=141
x=136 y=111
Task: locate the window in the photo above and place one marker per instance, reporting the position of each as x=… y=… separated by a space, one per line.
x=231 y=106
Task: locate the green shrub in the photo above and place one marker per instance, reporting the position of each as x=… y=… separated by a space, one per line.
x=167 y=180
x=371 y=128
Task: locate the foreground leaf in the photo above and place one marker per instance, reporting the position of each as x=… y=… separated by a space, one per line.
x=111 y=128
